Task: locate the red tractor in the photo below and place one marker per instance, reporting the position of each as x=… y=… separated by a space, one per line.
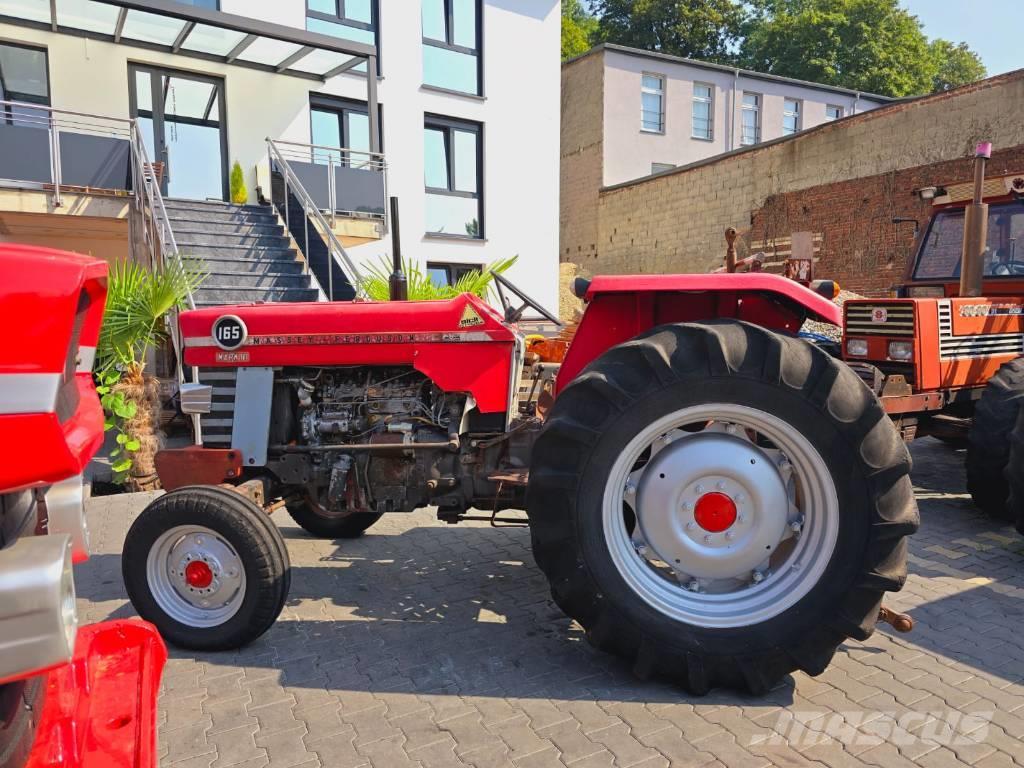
x=709 y=496
x=70 y=696
x=947 y=357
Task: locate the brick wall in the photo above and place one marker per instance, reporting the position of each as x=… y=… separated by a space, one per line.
x=582 y=168
x=845 y=179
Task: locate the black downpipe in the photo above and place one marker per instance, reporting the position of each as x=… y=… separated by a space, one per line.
x=399 y=286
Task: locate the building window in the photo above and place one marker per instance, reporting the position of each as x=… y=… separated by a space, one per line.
x=659 y=167
x=446 y=275
x=451 y=45
x=751 y=124
x=354 y=20
x=23 y=77
x=453 y=177
x=790 y=117
x=833 y=112
x=703 y=111
x=336 y=122
x=652 y=104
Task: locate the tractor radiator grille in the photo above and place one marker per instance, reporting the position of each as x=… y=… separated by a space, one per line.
x=980 y=345
x=866 y=319
x=216 y=424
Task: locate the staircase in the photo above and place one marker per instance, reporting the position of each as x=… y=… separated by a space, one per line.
x=244 y=249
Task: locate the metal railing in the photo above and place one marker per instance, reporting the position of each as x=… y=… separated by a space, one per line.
x=311 y=211
x=161 y=245
x=32 y=153
x=314 y=157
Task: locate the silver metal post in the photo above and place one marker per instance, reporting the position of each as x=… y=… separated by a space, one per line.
x=55 y=162
x=331 y=192
x=305 y=226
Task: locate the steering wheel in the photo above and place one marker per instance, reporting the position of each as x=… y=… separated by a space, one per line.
x=515 y=314
x=1004 y=268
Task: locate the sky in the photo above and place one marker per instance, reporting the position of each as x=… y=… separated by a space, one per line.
x=990 y=27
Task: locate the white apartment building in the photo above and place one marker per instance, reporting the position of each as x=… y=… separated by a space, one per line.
x=661 y=111
x=460 y=123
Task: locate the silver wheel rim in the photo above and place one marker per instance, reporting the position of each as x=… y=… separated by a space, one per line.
x=786 y=515
x=202 y=606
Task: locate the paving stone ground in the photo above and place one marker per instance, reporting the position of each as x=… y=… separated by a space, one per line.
x=431 y=645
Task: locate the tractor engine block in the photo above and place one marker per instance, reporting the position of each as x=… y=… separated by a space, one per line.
x=351 y=435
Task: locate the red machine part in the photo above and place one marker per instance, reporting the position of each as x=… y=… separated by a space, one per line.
x=99 y=710
x=51 y=422
x=623 y=306
x=178 y=467
x=461 y=344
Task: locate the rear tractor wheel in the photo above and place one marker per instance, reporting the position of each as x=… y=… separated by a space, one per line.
x=721 y=505
x=207 y=567
x=988 y=446
x=1015 y=474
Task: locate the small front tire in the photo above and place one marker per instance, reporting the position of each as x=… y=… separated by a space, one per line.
x=207 y=567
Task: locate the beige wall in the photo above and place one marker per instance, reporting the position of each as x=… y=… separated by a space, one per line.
x=629 y=152
x=675 y=222
x=581 y=157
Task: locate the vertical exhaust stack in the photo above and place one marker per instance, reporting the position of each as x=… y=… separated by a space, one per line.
x=399 y=286
x=975 y=227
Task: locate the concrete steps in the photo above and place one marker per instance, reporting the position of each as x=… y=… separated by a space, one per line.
x=245 y=251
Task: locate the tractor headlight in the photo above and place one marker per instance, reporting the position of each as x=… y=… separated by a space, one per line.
x=857 y=347
x=901 y=350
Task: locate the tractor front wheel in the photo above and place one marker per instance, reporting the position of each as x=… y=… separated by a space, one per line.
x=720 y=504
x=325 y=524
x=988 y=446
x=207 y=567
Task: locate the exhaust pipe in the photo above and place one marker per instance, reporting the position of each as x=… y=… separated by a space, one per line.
x=975 y=227
x=397 y=284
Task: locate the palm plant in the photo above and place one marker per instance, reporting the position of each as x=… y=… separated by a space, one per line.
x=138 y=301
x=375 y=283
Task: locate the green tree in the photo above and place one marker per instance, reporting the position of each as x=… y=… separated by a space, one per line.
x=578 y=29
x=699 y=29
x=868 y=45
x=955 y=64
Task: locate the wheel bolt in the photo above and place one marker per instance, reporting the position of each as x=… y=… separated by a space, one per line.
x=730 y=535
x=720 y=486
x=630 y=488
x=693 y=586
x=731 y=429
x=699 y=489
x=686 y=506
x=690 y=526
x=758 y=577
x=740 y=498
x=708 y=539
x=641 y=550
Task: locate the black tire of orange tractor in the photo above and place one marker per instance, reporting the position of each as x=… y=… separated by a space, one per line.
x=21 y=705
x=331 y=526
x=1015 y=474
x=251 y=533
x=988 y=442
x=671 y=367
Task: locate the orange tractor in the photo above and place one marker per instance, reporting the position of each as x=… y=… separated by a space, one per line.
x=946 y=357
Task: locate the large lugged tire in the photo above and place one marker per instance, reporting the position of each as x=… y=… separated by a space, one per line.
x=324 y=525
x=1015 y=474
x=207 y=567
x=988 y=443
x=21 y=703
x=702 y=444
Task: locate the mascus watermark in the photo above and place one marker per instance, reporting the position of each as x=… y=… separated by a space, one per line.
x=865 y=728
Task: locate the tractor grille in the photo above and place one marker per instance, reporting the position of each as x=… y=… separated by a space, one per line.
x=980 y=345
x=865 y=319
x=216 y=424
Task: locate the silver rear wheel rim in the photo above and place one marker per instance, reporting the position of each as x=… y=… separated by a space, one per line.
x=202 y=608
x=795 y=562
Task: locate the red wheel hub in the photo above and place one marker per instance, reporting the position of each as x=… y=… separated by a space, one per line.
x=198 y=574
x=715 y=512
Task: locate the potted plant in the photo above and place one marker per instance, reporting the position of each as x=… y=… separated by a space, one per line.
x=138 y=301
x=239 y=194
x=375 y=282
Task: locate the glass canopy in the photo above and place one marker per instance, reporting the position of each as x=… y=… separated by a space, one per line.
x=200 y=33
x=193 y=31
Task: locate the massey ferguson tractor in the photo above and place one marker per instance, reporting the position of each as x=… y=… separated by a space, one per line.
x=70 y=696
x=709 y=496
x=947 y=357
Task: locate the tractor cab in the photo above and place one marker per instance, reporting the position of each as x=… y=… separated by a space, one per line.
x=930 y=352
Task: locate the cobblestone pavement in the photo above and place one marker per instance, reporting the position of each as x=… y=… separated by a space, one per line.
x=426 y=645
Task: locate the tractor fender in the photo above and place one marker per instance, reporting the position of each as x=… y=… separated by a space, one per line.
x=620 y=307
